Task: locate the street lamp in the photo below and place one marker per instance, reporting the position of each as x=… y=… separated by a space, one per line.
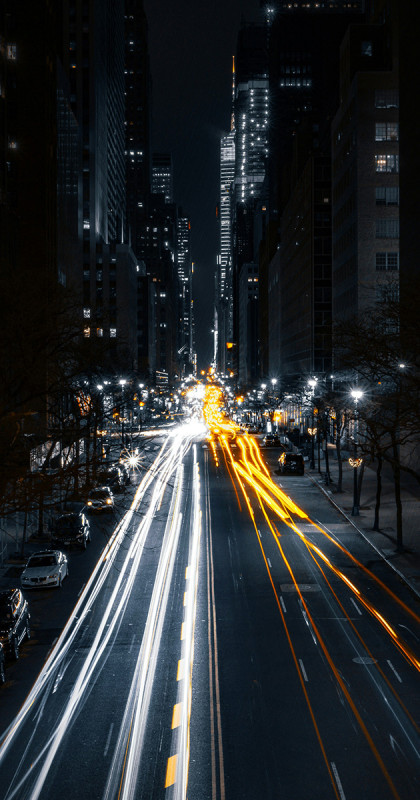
x=355 y=461
x=312 y=382
x=122 y=383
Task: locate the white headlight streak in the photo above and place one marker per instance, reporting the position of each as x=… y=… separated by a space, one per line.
x=30 y=777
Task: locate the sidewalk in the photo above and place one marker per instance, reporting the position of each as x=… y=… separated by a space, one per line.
x=406 y=563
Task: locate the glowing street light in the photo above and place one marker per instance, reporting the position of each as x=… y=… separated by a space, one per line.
x=312 y=382
x=355 y=462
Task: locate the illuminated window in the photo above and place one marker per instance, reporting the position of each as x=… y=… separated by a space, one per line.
x=86 y=313
x=99 y=331
x=387 y=163
x=11 y=52
x=113 y=333
x=86 y=332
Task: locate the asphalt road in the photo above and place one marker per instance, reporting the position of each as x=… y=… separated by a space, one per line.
x=216 y=641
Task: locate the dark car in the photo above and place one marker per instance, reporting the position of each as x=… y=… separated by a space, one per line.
x=292 y=464
x=100 y=499
x=14 y=621
x=113 y=477
x=71 y=529
x=271 y=440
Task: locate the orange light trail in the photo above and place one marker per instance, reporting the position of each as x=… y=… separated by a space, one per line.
x=250 y=470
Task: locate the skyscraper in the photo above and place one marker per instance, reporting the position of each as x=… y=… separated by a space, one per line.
x=251 y=151
x=184 y=265
x=94 y=62
x=223 y=322
x=304 y=95
x=162 y=176
x=137 y=121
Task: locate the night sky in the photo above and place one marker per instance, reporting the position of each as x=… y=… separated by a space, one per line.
x=191 y=44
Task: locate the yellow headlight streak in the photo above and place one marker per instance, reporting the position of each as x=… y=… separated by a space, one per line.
x=261 y=494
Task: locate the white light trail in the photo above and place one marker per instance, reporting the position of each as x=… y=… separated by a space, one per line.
x=166 y=463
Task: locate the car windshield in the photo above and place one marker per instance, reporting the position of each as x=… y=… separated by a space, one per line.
x=42 y=561
x=99 y=494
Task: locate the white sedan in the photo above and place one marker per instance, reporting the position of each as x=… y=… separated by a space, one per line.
x=46 y=568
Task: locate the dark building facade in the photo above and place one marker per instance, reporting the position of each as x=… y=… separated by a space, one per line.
x=251 y=113
x=94 y=59
x=137 y=122
x=365 y=148
x=304 y=47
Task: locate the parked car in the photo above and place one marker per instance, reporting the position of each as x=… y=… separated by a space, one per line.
x=100 y=499
x=291 y=463
x=112 y=477
x=271 y=440
x=44 y=569
x=14 y=621
x=2 y=665
x=71 y=528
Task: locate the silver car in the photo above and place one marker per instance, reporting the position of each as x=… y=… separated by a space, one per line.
x=44 y=569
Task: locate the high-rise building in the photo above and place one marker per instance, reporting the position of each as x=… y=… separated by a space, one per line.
x=251 y=113
x=223 y=322
x=137 y=121
x=366 y=189
x=251 y=150
x=304 y=95
x=227 y=175
x=162 y=176
x=94 y=55
x=184 y=265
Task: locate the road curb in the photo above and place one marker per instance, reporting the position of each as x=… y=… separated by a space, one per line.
x=366 y=538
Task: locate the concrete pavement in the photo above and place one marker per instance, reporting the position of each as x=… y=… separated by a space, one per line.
x=405 y=563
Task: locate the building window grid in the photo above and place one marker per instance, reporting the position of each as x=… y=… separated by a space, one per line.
x=387 y=195
x=386 y=131
x=386 y=98
x=387 y=162
x=387 y=228
x=387 y=262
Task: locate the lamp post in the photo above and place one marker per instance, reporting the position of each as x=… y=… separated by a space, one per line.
x=312 y=431
x=122 y=383
x=355 y=461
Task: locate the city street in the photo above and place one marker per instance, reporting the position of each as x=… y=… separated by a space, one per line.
x=233 y=640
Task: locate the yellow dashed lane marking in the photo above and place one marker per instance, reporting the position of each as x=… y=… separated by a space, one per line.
x=180 y=673
x=176 y=716
x=171 y=771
